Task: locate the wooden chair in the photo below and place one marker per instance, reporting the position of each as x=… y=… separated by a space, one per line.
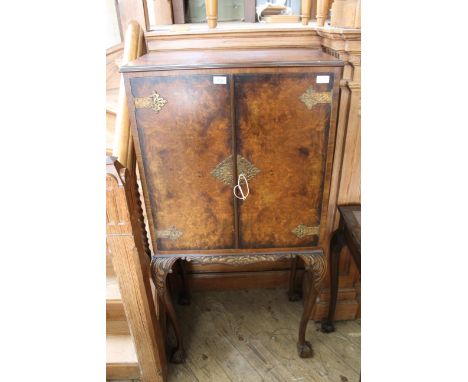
x=349 y=234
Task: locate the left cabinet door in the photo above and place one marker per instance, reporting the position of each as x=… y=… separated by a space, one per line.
x=184 y=132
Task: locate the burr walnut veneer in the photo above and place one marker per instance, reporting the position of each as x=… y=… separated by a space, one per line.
x=235 y=150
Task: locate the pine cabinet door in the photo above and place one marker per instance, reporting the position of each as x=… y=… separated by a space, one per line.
x=184 y=130
x=282 y=123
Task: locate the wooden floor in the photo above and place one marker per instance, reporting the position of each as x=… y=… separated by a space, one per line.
x=250 y=335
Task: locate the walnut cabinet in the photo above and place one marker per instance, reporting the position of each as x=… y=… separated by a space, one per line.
x=235 y=150
x=192 y=116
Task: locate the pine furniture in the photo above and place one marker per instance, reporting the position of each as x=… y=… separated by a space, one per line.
x=348 y=234
x=235 y=149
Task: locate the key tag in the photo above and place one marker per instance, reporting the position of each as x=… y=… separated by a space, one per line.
x=239 y=187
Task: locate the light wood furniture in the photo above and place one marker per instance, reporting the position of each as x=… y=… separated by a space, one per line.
x=233 y=35
x=116 y=320
x=123 y=147
x=346 y=187
x=121 y=358
x=348 y=234
x=162 y=12
x=273 y=110
x=127 y=245
x=128 y=249
x=132 y=11
x=306 y=6
x=323 y=7
x=211 y=13
x=346 y=14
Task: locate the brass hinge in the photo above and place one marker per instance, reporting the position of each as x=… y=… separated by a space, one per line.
x=154 y=102
x=312 y=97
x=172 y=233
x=302 y=231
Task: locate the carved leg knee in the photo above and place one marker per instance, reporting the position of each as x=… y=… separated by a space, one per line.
x=316 y=266
x=160 y=267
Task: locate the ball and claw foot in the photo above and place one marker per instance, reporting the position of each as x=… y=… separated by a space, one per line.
x=184 y=299
x=294 y=296
x=178 y=356
x=327 y=327
x=305 y=350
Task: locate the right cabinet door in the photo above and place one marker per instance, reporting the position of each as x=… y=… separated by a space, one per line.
x=282 y=123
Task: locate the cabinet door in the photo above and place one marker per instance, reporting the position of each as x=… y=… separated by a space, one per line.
x=184 y=129
x=282 y=122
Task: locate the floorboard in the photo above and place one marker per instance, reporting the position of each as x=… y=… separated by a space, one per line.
x=250 y=336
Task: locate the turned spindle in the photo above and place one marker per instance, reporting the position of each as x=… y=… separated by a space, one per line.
x=211 y=13
x=306 y=6
x=322 y=11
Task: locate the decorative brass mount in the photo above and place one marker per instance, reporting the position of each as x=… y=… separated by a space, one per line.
x=312 y=98
x=154 y=101
x=302 y=231
x=224 y=170
x=172 y=233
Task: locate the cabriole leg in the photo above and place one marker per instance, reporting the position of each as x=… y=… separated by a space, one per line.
x=316 y=266
x=160 y=268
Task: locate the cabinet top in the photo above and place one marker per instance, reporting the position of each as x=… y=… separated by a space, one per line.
x=232 y=58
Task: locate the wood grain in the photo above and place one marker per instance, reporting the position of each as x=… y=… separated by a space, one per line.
x=306 y=6
x=125 y=243
x=132 y=10
x=334 y=40
x=232 y=58
x=234 y=280
x=178 y=160
x=162 y=12
x=121 y=358
x=323 y=7
x=288 y=143
x=148 y=77
x=116 y=321
x=346 y=177
x=123 y=146
x=113 y=60
x=253 y=39
x=346 y=14
x=211 y=7
x=247 y=334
